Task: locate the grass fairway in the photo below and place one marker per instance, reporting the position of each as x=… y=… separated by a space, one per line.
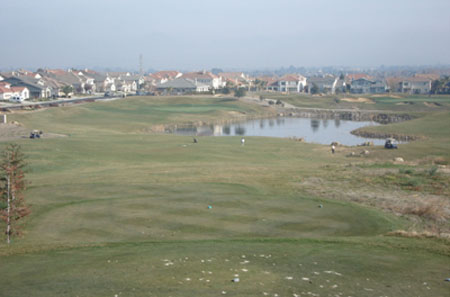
x=118 y=210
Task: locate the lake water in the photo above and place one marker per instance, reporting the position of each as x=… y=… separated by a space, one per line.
x=312 y=130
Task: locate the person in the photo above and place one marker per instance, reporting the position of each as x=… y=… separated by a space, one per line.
x=333 y=149
x=242 y=140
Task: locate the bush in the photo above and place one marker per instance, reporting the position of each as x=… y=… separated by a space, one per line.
x=241 y=92
x=433 y=171
x=406 y=171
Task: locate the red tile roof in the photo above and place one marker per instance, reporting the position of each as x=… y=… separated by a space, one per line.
x=5 y=90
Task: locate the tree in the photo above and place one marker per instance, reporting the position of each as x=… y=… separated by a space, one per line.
x=240 y=92
x=314 y=89
x=67 y=90
x=12 y=204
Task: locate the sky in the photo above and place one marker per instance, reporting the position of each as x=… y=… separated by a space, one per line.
x=232 y=34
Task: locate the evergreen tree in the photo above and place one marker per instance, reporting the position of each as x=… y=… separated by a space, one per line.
x=12 y=204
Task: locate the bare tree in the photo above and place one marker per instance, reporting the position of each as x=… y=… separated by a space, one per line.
x=12 y=204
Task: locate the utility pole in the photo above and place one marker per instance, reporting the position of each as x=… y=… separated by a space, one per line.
x=141 y=64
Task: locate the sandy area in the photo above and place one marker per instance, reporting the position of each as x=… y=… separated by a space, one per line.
x=358 y=100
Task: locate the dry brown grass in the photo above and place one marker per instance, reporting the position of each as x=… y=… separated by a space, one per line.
x=416 y=234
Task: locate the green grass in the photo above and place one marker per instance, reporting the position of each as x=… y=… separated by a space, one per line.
x=112 y=204
x=393 y=102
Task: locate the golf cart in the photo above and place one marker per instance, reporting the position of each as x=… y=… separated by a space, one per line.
x=35 y=134
x=390 y=143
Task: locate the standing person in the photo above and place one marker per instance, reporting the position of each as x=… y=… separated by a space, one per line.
x=333 y=149
x=242 y=141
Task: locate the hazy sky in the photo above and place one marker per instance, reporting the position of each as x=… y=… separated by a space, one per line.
x=197 y=34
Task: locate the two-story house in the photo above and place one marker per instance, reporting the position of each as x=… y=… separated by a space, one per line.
x=367 y=86
x=206 y=78
x=415 y=85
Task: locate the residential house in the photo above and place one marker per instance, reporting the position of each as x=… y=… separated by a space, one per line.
x=206 y=78
x=366 y=86
x=65 y=78
x=37 y=87
x=290 y=83
x=163 y=76
x=101 y=82
x=181 y=86
x=326 y=84
x=7 y=91
x=415 y=85
x=238 y=79
x=127 y=82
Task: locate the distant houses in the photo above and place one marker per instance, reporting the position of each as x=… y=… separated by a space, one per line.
x=52 y=83
x=181 y=86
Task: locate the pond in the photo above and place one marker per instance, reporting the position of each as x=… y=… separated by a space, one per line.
x=323 y=131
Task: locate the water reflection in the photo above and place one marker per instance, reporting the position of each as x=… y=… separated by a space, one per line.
x=337 y=123
x=261 y=124
x=239 y=130
x=312 y=130
x=315 y=124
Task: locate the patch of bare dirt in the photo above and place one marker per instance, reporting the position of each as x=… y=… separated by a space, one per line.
x=421 y=207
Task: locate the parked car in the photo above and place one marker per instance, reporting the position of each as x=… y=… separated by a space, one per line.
x=17 y=99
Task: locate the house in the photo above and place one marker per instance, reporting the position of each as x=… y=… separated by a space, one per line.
x=7 y=91
x=206 y=78
x=101 y=82
x=326 y=84
x=239 y=79
x=290 y=83
x=415 y=85
x=65 y=78
x=163 y=76
x=37 y=87
x=367 y=86
x=182 y=86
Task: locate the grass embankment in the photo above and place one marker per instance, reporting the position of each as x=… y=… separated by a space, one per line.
x=120 y=211
x=395 y=102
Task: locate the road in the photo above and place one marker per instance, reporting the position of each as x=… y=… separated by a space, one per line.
x=12 y=106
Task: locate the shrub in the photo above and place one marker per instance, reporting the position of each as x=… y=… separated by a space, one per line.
x=433 y=171
x=406 y=171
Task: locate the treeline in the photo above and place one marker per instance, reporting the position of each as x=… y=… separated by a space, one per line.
x=441 y=86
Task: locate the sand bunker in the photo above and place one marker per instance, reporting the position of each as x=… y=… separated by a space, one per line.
x=431 y=104
x=358 y=100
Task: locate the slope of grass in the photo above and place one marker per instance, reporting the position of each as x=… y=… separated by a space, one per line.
x=120 y=211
